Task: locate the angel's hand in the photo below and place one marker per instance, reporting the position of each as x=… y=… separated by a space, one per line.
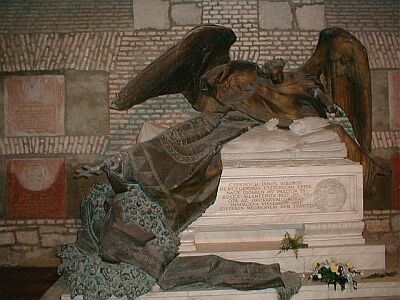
x=88 y=171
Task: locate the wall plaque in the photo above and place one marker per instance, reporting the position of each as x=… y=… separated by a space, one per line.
x=34 y=105
x=291 y=195
x=36 y=188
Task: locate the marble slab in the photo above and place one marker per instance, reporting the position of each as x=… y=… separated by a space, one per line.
x=310 y=290
x=36 y=188
x=260 y=200
x=34 y=105
x=365 y=257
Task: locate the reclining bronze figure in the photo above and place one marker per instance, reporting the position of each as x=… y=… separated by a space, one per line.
x=158 y=187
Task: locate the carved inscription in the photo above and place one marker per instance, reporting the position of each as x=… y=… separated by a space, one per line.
x=265 y=195
x=36 y=188
x=34 y=105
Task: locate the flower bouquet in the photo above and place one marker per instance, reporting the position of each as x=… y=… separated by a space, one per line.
x=335 y=273
x=290 y=242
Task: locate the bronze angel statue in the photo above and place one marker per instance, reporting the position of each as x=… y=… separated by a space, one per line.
x=157 y=188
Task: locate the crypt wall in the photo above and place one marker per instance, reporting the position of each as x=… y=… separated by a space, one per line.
x=86 y=51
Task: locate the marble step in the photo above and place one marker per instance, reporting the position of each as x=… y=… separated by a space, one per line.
x=364 y=257
x=377 y=288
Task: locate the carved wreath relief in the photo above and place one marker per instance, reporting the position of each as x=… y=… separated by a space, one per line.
x=330 y=195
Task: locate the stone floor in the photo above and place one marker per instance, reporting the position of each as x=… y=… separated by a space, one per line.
x=32 y=283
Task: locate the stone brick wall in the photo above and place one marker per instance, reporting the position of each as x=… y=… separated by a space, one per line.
x=383 y=227
x=20 y=16
x=364 y=15
x=34 y=242
x=119 y=38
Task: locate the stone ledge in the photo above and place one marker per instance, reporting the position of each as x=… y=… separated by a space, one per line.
x=310 y=290
x=365 y=257
x=40 y=222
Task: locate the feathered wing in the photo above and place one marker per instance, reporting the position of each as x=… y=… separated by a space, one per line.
x=180 y=68
x=340 y=63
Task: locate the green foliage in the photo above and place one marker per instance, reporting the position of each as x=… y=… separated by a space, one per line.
x=335 y=273
x=290 y=242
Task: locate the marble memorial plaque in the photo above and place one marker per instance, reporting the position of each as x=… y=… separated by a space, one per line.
x=297 y=194
x=266 y=192
x=258 y=201
x=34 y=105
x=36 y=188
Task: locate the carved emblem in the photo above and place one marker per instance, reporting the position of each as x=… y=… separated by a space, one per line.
x=329 y=195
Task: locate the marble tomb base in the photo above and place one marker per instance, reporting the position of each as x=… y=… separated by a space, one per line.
x=377 y=289
x=269 y=187
x=258 y=201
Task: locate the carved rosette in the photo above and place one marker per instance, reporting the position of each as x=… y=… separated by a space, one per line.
x=330 y=195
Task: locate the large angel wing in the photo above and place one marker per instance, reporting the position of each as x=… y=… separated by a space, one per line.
x=340 y=63
x=180 y=68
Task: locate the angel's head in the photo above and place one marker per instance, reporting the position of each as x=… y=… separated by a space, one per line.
x=273 y=70
x=122 y=100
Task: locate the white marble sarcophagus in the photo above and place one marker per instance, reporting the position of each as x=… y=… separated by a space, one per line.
x=276 y=181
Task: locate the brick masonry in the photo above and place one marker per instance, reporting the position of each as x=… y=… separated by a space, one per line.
x=364 y=15
x=111 y=37
x=383 y=227
x=55 y=51
x=35 y=242
x=64 y=16
x=54 y=145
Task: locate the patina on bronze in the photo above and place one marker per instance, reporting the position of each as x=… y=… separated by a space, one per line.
x=176 y=174
x=339 y=67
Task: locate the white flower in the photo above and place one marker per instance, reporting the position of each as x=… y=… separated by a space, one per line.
x=319 y=276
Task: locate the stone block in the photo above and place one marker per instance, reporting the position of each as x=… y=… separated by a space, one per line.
x=40 y=258
x=380 y=104
x=275 y=15
x=23 y=256
x=311 y=17
x=395 y=222
x=27 y=237
x=21 y=248
x=34 y=105
x=52 y=229
x=8 y=258
x=150 y=14
x=270 y=186
x=377 y=226
x=186 y=14
x=36 y=188
x=7 y=238
x=86 y=103
x=54 y=240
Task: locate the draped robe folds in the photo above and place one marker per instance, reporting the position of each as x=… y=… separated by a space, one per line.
x=177 y=173
x=180 y=171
